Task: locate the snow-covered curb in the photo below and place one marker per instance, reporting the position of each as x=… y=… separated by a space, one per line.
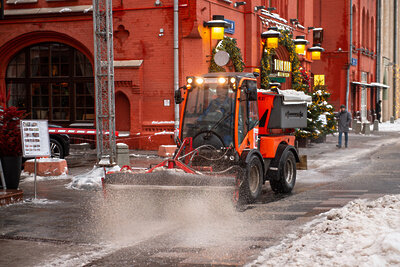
x=362 y=233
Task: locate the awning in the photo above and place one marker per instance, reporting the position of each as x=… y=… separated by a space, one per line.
x=384 y=86
x=361 y=83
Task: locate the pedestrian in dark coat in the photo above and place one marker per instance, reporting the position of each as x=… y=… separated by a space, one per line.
x=378 y=110
x=344 y=120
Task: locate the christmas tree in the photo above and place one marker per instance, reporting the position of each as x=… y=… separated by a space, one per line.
x=320 y=116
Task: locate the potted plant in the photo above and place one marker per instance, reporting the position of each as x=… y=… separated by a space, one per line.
x=10 y=145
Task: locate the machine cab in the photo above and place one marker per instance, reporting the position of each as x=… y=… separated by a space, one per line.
x=220 y=110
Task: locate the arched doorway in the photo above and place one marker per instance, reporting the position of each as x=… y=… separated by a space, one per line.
x=122 y=112
x=52 y=81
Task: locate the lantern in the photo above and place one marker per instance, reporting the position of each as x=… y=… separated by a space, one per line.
x=272 y=37
x=316 y=52
x=217 y=25
x=300 y=45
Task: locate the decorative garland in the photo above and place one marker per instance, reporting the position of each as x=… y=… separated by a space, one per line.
x=297 y=77
x=228 y=45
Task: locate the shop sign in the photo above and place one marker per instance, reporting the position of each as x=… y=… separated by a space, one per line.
x=231 y=29
x=278 y=79
x=35 y=138
x=319 y=79
x=282 y=68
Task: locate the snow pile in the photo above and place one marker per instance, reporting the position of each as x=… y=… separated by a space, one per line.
x=362 y=233
x=162 y=122
x=46 y=160
x=90 y=180
x=390 y=127
x=29 y=177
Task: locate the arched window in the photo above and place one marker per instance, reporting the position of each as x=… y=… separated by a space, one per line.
x=373 y=33
x=363 y=29
x=355 y=25
x=52 y=81
x=368 y=32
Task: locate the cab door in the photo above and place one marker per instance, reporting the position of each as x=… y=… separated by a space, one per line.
x=247 y=117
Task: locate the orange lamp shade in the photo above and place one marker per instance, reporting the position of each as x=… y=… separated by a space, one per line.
x=300 y=49
x=315 y=55
x=272 y=42
x=217 y=33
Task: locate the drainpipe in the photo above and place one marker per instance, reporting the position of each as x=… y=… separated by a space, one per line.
x=176 y=58
x=350 y=55
x=394 y=58
x=378 y=46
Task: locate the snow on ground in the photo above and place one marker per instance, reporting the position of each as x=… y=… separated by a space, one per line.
x=362 y=233
x=90 y=180
x=390 y=127
x=29 y=177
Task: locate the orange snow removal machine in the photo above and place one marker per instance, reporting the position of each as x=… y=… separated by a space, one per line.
x=231 y=134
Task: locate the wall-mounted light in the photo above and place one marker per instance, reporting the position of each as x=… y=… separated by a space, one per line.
x=238 y=4
x=256 y=8
x=217 y=25
x=273 y=85
x=157 y=3
x=272 y=37
x=316 y=51
x=300 y=44
x=294 y=21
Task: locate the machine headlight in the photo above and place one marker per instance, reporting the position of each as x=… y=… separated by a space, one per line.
x=232 y=80
x=221 y=80
x=199 y=81
x=189 y=80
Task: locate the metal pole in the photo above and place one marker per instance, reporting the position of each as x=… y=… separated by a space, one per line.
x=176 y=58
x=34 y=180
x=104 y=82
x=350 y=56
x=3 y=180
x=394 y=58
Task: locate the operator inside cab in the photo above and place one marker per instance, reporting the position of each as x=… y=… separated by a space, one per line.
x=220 y=112
x=222 y=104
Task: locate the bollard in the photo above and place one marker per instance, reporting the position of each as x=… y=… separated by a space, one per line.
x=353 y=124
x=122 y=154
x=357 y=128
x=376 y=126
x=366 y=129
x=392 y=119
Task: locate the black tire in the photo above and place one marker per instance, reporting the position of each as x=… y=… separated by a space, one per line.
x=56 y=149
x=252 y=181
x=284 y=179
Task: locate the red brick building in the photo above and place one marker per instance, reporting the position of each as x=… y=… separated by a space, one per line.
x=351 y=77
x=46 y=55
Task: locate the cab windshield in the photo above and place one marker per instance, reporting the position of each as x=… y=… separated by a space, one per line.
x=210 y=108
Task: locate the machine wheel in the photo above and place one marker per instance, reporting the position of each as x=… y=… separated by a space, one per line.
x=284 y=179
x=250 y=188
x=56 y=149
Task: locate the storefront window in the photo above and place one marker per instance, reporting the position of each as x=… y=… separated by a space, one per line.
x=52 y=81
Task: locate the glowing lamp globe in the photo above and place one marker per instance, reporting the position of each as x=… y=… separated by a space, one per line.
x=316 y=51
x=272 y=37
x=316 y=55
x=217 y=33
x=217 y=25
x=300 y=45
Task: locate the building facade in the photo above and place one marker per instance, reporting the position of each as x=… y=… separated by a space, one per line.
x=350 y=70
x=46 y=56
x=388 y=68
